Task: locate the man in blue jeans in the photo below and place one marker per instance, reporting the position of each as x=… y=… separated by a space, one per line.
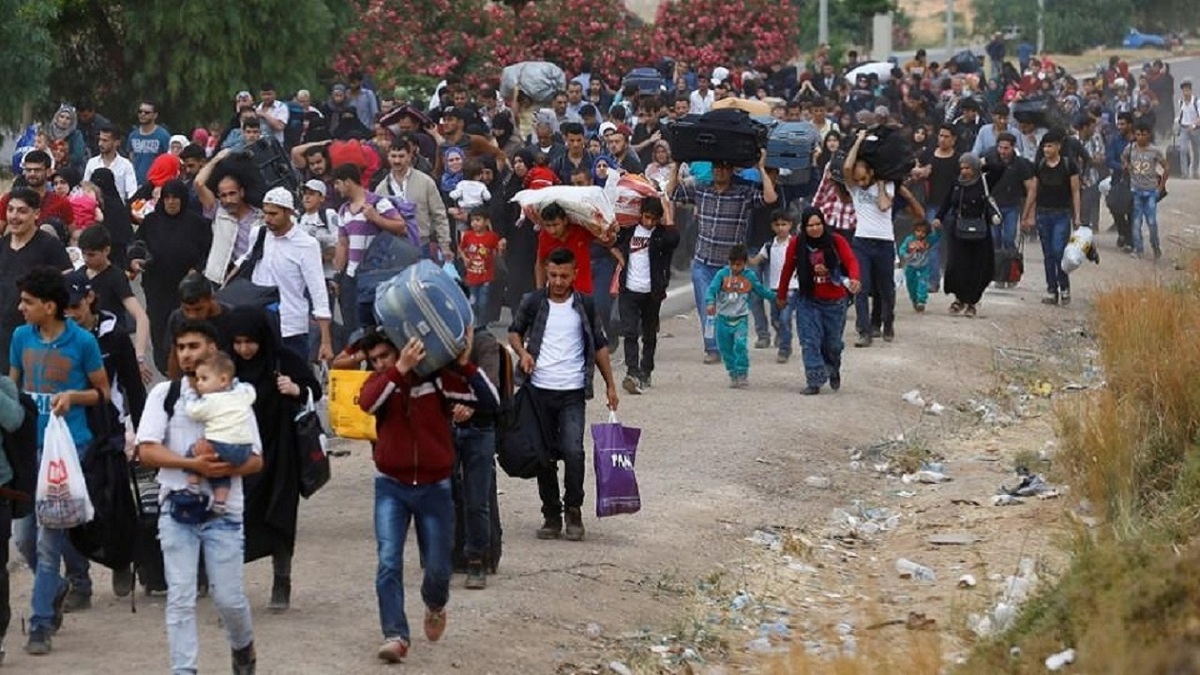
x=723 y=211
x=59 y=365
x=163 y=439
x=1055 y=197
x=414 y=457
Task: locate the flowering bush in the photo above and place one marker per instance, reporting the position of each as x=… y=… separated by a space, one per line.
x=425 y=37
x=708 y=33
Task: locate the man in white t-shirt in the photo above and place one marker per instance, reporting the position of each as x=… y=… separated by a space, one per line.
x=701 y=100
x=163 y=438
x=1187 y=120
x=774 y=253
x=560 y=341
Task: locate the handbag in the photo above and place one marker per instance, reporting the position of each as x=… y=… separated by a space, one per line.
x=240 y=291
x=311 y=442
x=975 y=229
x=1010 y=264
x=613 y=460
x=345 y=416
x=61 y=500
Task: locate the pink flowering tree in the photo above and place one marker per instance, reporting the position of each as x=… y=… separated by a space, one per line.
x=709 y=33
x=434 y=38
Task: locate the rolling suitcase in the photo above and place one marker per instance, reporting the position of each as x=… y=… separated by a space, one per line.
x=423 y=302
x=727 y=135
x=1175 y=160
x=790 y=146
x=647 y=80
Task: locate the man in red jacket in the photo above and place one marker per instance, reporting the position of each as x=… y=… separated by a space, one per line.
x=415 y=456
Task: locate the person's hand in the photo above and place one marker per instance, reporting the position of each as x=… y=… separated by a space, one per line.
x=936 y=224
x=60 y=403
x=527 y=363
x=456 y=213
x=613 y=399
x=223 y=154
x=503 y=246
x=370 y=212
x=144 y=370
x=325 y=353
x=461 y=413
x=1027 y=224
x=820 y=269
x=711 y=310
x=211 y=466
x=656 y=137
x=862 y=133
x=854 y=286
x=286 y=386
x=465 y=357
x=410 y=356
x=780 y=302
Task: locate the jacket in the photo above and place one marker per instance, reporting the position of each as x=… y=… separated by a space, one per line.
x=529 y=323
x=121 y=366
x=431 y=210
x=412 y=419
x=827 y=291
x=663 y=241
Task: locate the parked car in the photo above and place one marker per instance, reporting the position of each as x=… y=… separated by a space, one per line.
x=1136 y=39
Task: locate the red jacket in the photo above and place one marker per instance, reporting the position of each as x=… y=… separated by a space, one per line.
x=412 y=419
x=826 y=291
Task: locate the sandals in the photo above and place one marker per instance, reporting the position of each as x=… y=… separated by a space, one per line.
x=970 y=312
x=956 y=307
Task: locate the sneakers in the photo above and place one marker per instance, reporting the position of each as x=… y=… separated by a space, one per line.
x=1064 y=298
x=574 y=525
x=646 y=382
x=39 y=642
x=435 y=623
x=281 y=595
x=876 y=332
x=956 y=308
x=835 y=381
x=811 y=390
x=863 y=341
x=393 y=650
x=762 y=343
x=551 y=529
x=122 y=582
x=738 y=382
x=632 y=385
x=712 y=357
x=1157 y=254
x=1050 y=298
x=782 y=358
x=476 y=577
x=889 y=334
x=76 y=602
x=918 y=307
x=245 y=661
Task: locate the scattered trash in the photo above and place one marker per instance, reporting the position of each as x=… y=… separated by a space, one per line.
x=928 y=477
x=741 y=601
x=965 y=502
x=967 y=581
x=1006 y=500
x=918 y=621
x=777 y=629
x=1032 y=484
x=1063 y=658
x=911 y=570
x=819 y=482
x=953 y=539
x=768 y=539
x=936 y=409
x=913 y=398
x=907 y=494
x=593 y=631
x=762 y=644
x=802 y=568
x=867 y=522
x=619 y=668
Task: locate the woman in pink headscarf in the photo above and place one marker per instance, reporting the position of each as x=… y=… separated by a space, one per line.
x=202 y=138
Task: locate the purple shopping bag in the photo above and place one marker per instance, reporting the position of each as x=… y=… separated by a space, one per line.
x=614 y=457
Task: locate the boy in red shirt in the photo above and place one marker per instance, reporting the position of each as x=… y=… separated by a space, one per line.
x=558 y=232
x=478 y=250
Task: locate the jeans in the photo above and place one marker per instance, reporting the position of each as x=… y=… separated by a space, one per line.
x=25 y=537
x=480 y=297
x=732 y=337
x=298 y=345
x=222 y=542
x=230 y=453
x=1089 y=207
x=639 y=318
x=1004 y=235
x=603 y=269
x=935 y=252
x=1145 y=207
x=916 y=280
x=1054 y=230
x=702 y=276
x=5 y=532
x=563 y=415
x=475 y=448
x=876 y=262
x=783 y=318
x=431 y=508
x=1189 y=152
x=821 y=325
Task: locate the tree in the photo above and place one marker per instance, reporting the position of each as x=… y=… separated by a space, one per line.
x=1071 y=26
x=27 y=49
x=708 y=33
x=434 y=38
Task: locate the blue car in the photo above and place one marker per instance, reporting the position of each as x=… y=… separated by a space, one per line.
x=1138 y=40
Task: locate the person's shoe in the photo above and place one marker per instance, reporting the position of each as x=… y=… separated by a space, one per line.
x=876 y=332
x=281 y=595
x=782 y=358
x=122 y=582
x=435 y=623
x=574 y=525
x=1050 y=298
x=38 y=643
x=1157 y=254
x=632 y=385
x=835 y=382
x=1064 y=298
x=1135 y=255
x=934 y=288
x=741 y=382
x=393 y=651
x=889 y=334
x=711 y=358
x=76 y=602
x=476 y=577
x=551 y=529
x=811 y=390
x=245 y=661
x=863 y=341
x=969 y=312
x=762 y=343
x=60 y=601
x=645 y=382
x=956 y=308
x=920 y=307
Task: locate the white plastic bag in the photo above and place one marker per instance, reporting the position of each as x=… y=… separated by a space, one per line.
x=1077 y=249
x=587 y=206
x=61 y=500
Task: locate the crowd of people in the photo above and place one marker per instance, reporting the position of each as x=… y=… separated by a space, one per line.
x=97 y=209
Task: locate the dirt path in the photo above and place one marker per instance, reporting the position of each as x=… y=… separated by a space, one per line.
x=715 y=465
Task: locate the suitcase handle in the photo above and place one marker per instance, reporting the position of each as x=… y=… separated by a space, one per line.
x=706 y=138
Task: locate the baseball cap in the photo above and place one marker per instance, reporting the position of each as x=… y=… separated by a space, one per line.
x=607 y=127
x=280 y=197
x=317 y=186
x=78 y=286
x=624 y=131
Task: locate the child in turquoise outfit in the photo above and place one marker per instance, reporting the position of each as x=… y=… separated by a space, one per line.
x=728 y=306
x=914 y=253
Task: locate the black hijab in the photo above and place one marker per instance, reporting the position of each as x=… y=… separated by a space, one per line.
x=116 y=213
x=824 y=243
x=503 y=121
x=260 y=370
x=172 y=188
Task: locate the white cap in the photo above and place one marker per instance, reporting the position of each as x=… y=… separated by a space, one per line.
x=281 y=197
x=606 y=127
x=719 y=75
x=317 y=186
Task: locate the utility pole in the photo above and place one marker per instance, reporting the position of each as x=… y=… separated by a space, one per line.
x=823 y=22
x=949 y=28
x=1041 y=20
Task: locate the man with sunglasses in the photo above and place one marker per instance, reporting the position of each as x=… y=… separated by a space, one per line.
x=146 y=141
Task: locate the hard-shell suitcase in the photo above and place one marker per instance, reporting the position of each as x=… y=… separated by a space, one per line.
x=1174 y=160
x=790 y=146
x=647 y=80
x=273 y=163
x=726 y=135
x=423 y=302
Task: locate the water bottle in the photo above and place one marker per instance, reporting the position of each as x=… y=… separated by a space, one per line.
x=710 y=327
x=918 y=572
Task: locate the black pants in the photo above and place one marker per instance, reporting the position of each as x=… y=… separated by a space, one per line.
x=639 y=319
x=5 y=534
x=564 y=417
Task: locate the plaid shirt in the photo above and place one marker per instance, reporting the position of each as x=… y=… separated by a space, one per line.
x=722 y=218
x=838 y=214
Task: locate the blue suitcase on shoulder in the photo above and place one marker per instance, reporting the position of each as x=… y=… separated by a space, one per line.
x=648 y=80
x=790 y=146
x=423 y=302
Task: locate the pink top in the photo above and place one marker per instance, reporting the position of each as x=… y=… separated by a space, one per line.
x=83 y=205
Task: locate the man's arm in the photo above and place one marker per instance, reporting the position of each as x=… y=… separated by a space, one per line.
x=1030 y=199
x=1075 y=199
x=439 y=221
x=768 y=189
x=298 y=159
x=275 y=123
x=318 y=293
x=852 y=156
x=207 y=199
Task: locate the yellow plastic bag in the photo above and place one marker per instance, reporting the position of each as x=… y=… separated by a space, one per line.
x=347 y=419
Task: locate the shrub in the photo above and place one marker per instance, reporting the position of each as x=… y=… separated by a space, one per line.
x=708 y=33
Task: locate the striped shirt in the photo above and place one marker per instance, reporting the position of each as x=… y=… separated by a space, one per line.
x=722 y=218
x=359 y=231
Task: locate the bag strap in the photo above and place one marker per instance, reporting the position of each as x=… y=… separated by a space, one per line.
x=172 y=397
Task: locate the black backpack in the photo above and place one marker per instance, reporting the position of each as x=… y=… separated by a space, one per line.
x=21 y=450
x=111 y=537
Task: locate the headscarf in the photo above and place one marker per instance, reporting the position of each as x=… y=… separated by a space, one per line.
x=504 y=122
x=972 y=160
x=450 y=180
x=165 y=167
x=57 y=133
x=103 y=178
x=172 y=188
x=116 y=212
x=71 y=175
x=180 y=139
x=200 y=136
x=609 y=161
x=259 y=372
x=807 y=244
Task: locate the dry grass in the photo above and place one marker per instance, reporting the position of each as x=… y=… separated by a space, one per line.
x=921 y=654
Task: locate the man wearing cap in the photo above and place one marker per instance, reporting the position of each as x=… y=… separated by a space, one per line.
x=273 y=112
x=618 y=147
x=406 y=182
x=291 y=262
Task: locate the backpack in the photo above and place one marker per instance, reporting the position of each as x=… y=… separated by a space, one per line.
x=21 y=450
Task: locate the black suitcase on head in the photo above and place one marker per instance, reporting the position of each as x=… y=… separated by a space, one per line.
x=724 y=136
x=889 y=152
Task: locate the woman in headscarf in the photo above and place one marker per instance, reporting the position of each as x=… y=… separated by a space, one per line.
x=968 y=219
x=116 y=216
x=452 y=170
x=174 y=241
x=520 y=237
x=504 y=132
x=283 y=383
x=827 y=273
x=165 y=167
x=65 y=127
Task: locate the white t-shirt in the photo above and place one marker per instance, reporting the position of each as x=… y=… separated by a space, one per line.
x=776 y=252
x=560 y=362
x=872 y=223
x=637 y=276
